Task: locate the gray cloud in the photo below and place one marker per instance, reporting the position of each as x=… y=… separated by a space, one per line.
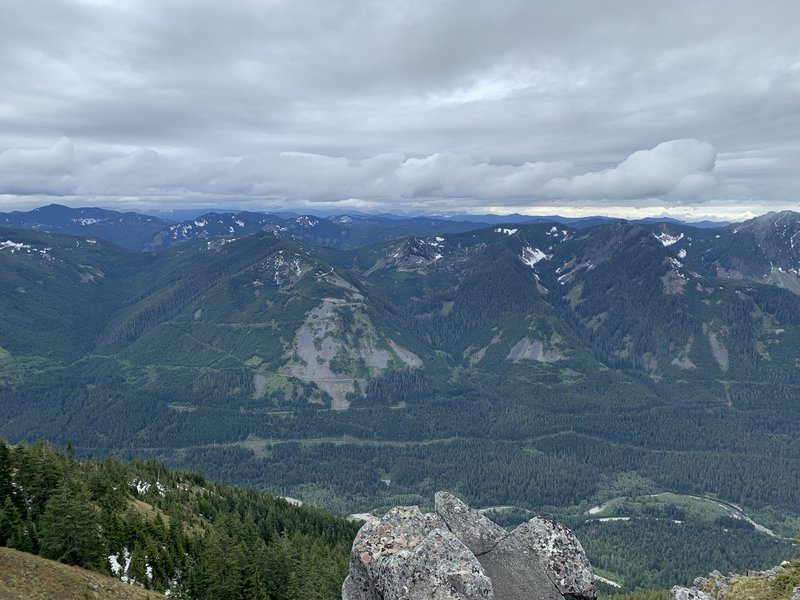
x=424 y=105
x=41 y=171
x=679 y=168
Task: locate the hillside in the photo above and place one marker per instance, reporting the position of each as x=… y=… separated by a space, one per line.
x=127 y=230
x=172 y=532
x=27 y=577
x=538 y=367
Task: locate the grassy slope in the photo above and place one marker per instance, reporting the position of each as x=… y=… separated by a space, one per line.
x=762 y=588
x=27 y=577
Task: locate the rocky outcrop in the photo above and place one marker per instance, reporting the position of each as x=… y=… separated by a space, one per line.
x=561 y=554
x=477 y=532
x=458 y=554
x=411 y=555
x=682 y=593
x=717 y=586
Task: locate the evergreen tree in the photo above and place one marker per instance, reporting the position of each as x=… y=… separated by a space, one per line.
x=5 y=471
x=69 y=530
x=9 y=521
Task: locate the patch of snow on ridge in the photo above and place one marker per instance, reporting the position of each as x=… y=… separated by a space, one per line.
x=506 y=231
x=682 y=253
x=89 y=221
x=13 y=245
x=116 y=568
x=121 y=569
x=531 y=256
x=667 y=239
x=306 y=222
x=142 y=487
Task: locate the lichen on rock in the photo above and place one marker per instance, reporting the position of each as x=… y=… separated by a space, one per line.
x=458 y=554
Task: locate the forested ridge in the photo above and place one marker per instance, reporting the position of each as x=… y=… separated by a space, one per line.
x=167 y=530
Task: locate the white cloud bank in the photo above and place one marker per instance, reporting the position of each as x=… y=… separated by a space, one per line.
x=682 y=168
x=674 y=170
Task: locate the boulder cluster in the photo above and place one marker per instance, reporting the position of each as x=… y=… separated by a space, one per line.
x=456 y=553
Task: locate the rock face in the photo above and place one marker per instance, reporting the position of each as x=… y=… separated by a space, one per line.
x=458 y=554
x=561 y=554
x=477 y=532
x=682 y=593
x=410 y=555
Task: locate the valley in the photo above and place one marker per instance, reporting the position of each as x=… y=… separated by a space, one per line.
x=539 y=366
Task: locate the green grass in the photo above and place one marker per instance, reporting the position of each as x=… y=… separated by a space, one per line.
x=759 y=588
x=610 y=575
x=664 y=505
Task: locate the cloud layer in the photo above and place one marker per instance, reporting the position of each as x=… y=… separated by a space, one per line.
x=680 y=169
x=426 y=105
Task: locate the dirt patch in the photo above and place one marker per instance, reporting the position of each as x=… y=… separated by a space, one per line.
x=682 y=361
x=527 y=349
x=673 y=282
x=409 y=358
x=719 y=350
x=334 y=278
x=574 y=295
x=31 y=577
x=478 y=356
x=259 y=385
x=784 y=279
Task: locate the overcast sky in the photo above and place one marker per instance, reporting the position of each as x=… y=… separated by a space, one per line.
x=688 y=108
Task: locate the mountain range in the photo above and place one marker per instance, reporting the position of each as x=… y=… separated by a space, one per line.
x=344 y=231
x=535 y=365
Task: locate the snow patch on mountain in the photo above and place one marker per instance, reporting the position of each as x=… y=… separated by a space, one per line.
x=306 y=221
x=531 y=256
x=667 y=239
x=13 y=246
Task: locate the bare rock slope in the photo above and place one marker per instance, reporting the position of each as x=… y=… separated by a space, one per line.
x=456 y=553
